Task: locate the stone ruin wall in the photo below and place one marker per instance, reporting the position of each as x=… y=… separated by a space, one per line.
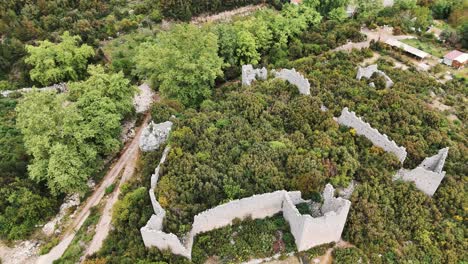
x=295 y=78
x=368 y=71
x=311 y=231
x=59 y=87
x=428 y=175
x=152 y=233
x=249 y=74
x=256 y=206
x=350 y=119
x=307 y=231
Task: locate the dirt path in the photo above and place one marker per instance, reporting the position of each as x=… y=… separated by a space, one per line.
x=381 y=33
x=226 y=15
x=104 y=225
x=128 y=155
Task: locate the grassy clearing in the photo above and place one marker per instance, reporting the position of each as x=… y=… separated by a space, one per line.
x=429 y=47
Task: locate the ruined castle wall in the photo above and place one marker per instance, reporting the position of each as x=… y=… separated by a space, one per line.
x=256 y=206
x=350 y=119
x=60 y=87
x=308 y=231
x=295 y=78
x=164 y=241
x=428 y=175
x=295 y=220
x=425 y=180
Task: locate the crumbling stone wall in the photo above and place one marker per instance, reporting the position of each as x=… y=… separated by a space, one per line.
x=368 y=71
x=350 y=119
x=250 y=74
x=311 y=231
x=428 y=175
x=294 y=77
x=152 y=233
x=154 y=135
x=59 y=87
x=307 y=231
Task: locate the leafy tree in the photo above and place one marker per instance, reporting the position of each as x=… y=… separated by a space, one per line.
x=463 y=32
x=339 y=14
x=59 y=62
x=183 y=63
x=67 y=134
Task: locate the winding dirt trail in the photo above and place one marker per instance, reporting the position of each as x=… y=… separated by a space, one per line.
x=128 y=156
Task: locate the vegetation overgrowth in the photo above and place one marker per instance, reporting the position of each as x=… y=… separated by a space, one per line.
x=230 y=141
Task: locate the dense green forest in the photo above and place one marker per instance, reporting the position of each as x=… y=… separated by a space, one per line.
x=230 y=141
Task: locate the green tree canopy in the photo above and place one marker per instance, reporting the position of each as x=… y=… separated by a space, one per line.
x=57 y=62
x=67 y=134
x=183 y=63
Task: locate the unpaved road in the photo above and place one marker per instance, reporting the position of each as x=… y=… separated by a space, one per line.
x=104 y=225
x=129 y=154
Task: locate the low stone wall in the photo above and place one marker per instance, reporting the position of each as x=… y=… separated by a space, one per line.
x=350 y=119
x=60 y=87
x=295 y=78
x=428 y=175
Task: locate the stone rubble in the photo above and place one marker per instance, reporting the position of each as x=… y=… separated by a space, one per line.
x=69 y=202
x=143 y=99
x=368 y=71
x=60 y=88
x=154 y=135
x=250 y=74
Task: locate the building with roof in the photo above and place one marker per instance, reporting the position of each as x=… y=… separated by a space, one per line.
x=407 y=48
x=456 y=59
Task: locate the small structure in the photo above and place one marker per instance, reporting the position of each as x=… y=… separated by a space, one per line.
x=249 y=74
x=295 y=78
x=428 y=175
x=368 y=71
x=295 y=2
x=456 y=59
x=154 y=135
x=407 y=48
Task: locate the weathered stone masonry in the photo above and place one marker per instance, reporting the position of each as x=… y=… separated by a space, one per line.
x=428 y=175
x=307 y=230
x=154 y=135
x=295 y=78
x=350 y=119
x=292 y=76
x=368 y=71
x=250 y=74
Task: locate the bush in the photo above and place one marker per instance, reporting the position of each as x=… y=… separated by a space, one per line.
x=161 y=112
